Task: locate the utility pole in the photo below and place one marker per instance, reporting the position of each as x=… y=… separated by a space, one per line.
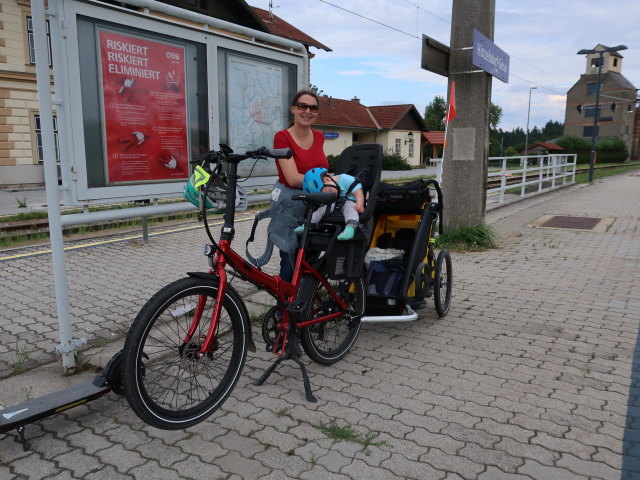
x=465 y=162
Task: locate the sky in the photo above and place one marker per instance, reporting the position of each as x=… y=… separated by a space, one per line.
x=380 y=64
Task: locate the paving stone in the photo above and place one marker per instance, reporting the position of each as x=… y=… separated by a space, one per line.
x=493 y=473
x=588 y=468
x=34 y=468
x=248 y=447
x=535 y=470
x=372 y=455
x=193 y=468
x=411 y=469
x=121 y=458
x=246 y=468
x=285 y=463
x=78 y=463
x=452 y=463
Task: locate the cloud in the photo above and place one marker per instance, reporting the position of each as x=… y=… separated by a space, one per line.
x=378 y=63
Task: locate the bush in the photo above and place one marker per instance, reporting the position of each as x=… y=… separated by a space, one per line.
x=394 y=161
x=577 y=145
x=611 y=150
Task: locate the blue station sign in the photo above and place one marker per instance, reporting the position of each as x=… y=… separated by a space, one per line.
x=489 y=57
x=331 y=135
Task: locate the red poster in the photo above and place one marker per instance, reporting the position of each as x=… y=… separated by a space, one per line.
x=145 y=113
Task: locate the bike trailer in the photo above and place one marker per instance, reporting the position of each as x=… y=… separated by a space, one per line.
x=405 y=222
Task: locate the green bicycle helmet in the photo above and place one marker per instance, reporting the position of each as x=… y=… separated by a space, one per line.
x=312 y=181
x=193 y=188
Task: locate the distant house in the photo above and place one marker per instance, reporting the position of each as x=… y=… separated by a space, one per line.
x=433 y=142
x=617 y=115
x=397 y=128
x=544 y=148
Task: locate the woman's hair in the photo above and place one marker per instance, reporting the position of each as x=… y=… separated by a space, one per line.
x=305 y=91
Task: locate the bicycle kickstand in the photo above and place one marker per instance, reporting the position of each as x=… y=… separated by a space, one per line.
x=292 y=353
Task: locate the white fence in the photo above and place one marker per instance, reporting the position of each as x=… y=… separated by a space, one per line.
x=541 y=171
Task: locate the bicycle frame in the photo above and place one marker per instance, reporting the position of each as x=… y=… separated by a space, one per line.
x=284 y=292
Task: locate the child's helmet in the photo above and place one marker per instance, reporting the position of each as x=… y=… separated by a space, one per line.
x=312 y=181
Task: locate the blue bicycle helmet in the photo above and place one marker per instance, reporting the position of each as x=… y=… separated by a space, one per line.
x=312 y=181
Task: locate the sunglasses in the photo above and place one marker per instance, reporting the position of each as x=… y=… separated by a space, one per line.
x=303 y=106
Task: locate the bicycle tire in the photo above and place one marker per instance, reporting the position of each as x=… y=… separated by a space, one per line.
x=330 y=341
x=443 y=283
x=166 y=385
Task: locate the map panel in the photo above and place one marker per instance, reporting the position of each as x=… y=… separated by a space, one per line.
x=255 y=108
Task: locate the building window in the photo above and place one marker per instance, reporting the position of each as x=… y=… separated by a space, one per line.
x=31 y=41
x=39 y=147
x=590 y=112
x=615 y=62
x=592 y=88
x=588 y=131
x=397 y=146
x=595 y=62
x=411 y=148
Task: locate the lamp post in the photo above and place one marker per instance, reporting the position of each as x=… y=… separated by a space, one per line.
x=596 y=116
x=526 y=138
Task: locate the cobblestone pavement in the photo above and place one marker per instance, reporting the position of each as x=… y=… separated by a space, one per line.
x=532 y=375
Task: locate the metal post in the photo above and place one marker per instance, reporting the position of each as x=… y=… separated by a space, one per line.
x=145 y=231
x=67 y=346
x=524 y=178
x=526 y=138
x=596 y=117
x=503 y=180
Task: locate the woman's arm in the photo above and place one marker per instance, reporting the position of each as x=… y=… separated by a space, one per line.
x=290 y=172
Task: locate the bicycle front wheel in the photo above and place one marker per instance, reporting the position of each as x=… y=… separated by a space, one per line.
x=168 y=384
x=328 y=342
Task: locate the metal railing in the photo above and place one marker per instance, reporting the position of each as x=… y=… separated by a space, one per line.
x=513 y=173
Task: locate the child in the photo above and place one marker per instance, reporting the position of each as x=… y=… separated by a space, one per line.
x=319 y=179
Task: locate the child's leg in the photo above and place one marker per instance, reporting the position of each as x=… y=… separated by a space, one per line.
x=315 y=218
x=351 y=218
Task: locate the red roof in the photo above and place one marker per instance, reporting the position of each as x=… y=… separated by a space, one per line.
x=548 y=146
x=336 y=112
x=279 y=27
x=344 y=113
x=434 y=138
x=388 y=116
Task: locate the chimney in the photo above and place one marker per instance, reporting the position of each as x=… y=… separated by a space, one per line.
x=355 y=99
x=330 y=101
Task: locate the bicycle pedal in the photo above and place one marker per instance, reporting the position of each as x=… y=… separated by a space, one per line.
x=296 y=308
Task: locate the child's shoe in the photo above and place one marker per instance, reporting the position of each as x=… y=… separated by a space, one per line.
x=347 y=233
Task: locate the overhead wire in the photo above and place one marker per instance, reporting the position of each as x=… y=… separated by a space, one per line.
x=530 y=82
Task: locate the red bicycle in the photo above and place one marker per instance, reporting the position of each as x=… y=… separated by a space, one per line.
x=187 y=346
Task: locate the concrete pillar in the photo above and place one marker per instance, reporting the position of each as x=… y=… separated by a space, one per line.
x=465 y=160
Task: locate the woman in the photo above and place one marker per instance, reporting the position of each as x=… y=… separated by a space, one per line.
x=307 y=146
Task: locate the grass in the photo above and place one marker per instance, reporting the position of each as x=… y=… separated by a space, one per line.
x=22 y=202
x=21 y=356
x=478 y=237
x=348 y=434
x=601 y=173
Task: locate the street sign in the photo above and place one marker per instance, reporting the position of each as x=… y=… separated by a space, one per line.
x=489 y=57
x=435 y=56
x=331 y=135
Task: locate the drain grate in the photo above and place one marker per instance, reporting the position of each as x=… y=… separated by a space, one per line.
x=576 y=223
x=568 y=222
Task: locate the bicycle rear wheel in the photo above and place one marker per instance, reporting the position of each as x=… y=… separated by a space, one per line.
x=328 y=342
x=442 y=286
x=166 y=382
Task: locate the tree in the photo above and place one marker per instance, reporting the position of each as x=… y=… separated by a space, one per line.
x=434 y=114
x=316 y=90
x=495 y=136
